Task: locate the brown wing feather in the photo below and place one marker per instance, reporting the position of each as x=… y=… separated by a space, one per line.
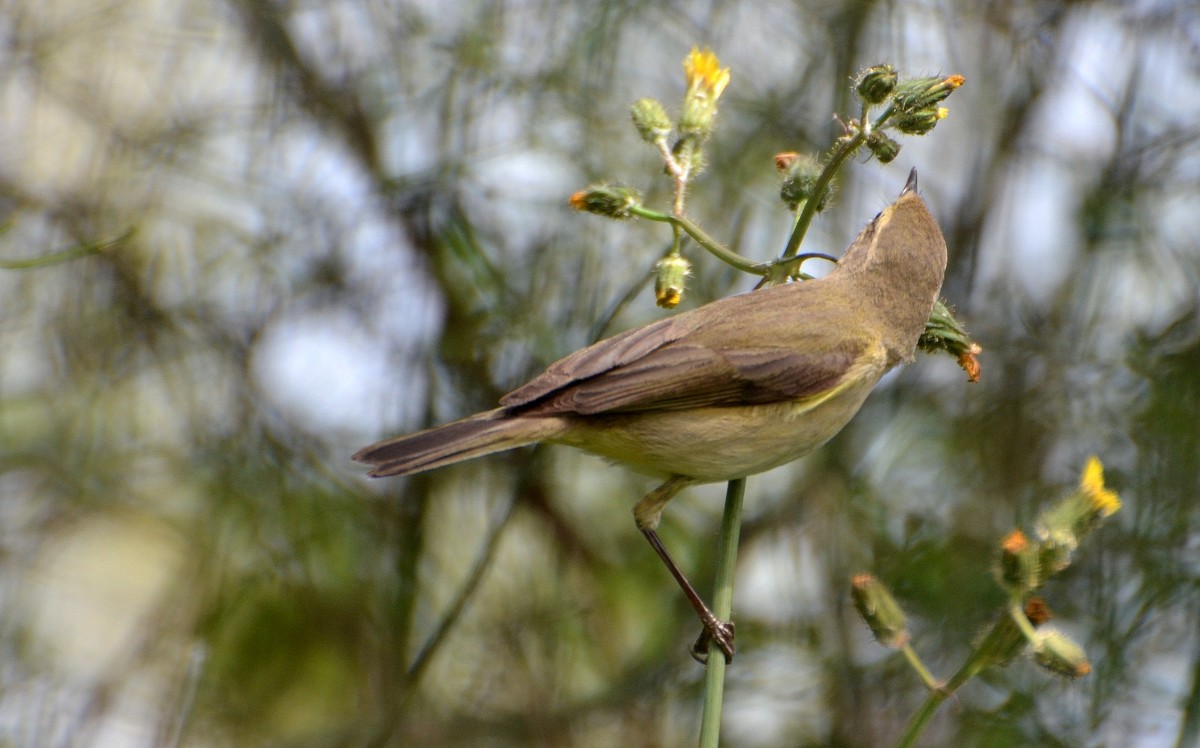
x=606 y=355
x=676 y=375
x=680 y=376
x=694 y=359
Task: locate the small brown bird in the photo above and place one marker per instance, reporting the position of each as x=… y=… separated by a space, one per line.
x=730 y=389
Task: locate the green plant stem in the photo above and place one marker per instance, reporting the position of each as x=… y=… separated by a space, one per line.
x=840 y=154
x=727 y=256
x=984 y=655
x=914 y=660
x=722 y=606
x=1018 y=615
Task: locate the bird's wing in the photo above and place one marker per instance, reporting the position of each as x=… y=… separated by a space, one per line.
x=695 y=360
x=598 y=358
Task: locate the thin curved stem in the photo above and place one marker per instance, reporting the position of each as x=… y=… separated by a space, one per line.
x=810 y=206
x=728 y=256
x=983 y=655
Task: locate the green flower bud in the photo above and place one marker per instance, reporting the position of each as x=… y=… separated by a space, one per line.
x=651 y=120
x=922 y=93
x=1054 y=651
x=670 y=277
x=875 y=84
x=1055 y=548
x=697 y=118
x=916 y=123
x=1020 y=564
x=884 y=148
x=800 y=182
x=602 y=200
x=880 y=610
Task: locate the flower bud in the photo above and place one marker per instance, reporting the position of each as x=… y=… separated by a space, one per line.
x=697 y=118
x=1055 y=548
x=922 y=93
x=651 y=120
x=670 y=277
x=800 y=182
x=1020 y=565
x=603 y=200
x=916 y=123
x=884 y=148
x=880 y=610
x=875 y=84
x=1056 y=652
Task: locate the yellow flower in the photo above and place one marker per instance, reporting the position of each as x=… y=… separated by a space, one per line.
x=1091 y=485
x=704 y=74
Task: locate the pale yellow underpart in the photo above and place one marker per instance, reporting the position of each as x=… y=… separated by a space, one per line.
x=721 y=443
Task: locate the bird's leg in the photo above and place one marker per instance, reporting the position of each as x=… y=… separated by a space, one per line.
x=647 y=513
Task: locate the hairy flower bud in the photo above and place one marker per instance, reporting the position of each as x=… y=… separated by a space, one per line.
x=1056 y=652
x=922 y=93
x=800 y=182
x=880 y=610
x=1020 y=565
x=670 y=279
x=884 y=148
x=916 y=123
x=875 y=84
x=602 y=200
x=650 y=119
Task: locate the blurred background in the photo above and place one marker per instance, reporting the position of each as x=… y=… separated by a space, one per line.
x=242 y=239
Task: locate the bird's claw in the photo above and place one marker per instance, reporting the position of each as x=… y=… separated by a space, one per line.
x=717 y=632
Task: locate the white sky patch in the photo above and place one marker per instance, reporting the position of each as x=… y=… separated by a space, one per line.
x=328 y=370
x=1040 y=236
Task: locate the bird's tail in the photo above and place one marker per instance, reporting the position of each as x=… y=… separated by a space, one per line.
x=478 y=435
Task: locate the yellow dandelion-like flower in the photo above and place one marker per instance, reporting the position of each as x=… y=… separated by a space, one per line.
x=704 y=74
x=1091 y=485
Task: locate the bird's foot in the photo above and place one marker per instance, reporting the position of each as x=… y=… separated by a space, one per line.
x=715 y=632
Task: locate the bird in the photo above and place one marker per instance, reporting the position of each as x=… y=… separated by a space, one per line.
x=730 y=389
